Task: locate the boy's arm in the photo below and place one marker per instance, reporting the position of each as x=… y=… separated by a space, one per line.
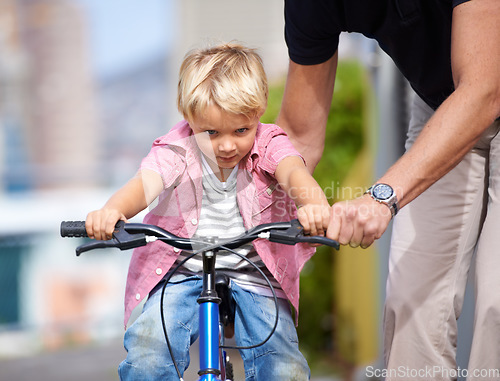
x=129 y=200
x=297 y=182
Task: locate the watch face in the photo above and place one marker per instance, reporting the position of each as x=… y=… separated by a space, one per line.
x=382 y=191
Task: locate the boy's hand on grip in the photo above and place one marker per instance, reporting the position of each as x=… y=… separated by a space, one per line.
x=314 y=218
x=100 y=224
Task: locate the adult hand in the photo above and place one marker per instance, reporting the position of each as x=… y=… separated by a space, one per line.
x=358 y=222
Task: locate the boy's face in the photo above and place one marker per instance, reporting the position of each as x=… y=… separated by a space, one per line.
x=224 y=138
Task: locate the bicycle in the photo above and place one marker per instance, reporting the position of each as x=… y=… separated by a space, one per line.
x=214 y=307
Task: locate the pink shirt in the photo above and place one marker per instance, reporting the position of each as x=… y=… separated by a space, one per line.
x=176 y=157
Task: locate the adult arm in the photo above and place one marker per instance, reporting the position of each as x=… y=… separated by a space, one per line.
x=306 y=105
x=451 y=132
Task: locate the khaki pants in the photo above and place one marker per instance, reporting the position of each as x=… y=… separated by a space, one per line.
x=433 y=241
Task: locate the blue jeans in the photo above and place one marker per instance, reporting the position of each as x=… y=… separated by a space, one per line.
x=148 y=357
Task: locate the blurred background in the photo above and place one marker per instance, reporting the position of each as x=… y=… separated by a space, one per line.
x=85 y=87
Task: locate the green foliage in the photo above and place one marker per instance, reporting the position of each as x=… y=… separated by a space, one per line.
x=344 y=132
x=344 y=139
x=274 y=102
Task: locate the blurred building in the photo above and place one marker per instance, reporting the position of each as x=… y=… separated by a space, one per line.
x=132 y=106
x=13 y=100
x=50 y=110
x=49 y=142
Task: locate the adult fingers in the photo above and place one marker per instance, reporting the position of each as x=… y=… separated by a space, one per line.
x=336 y=226
x=347 y=230
x=358 y=222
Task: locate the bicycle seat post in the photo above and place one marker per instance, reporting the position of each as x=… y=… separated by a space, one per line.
x=209 y=321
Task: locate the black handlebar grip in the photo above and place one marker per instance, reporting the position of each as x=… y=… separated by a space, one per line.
x=73 y=229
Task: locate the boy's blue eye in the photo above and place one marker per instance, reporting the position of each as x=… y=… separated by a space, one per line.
x=241 y=130
x=211 y=132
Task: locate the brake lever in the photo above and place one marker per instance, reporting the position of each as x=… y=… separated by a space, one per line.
x=121 y=240
x=95 y=245
x=295 y=234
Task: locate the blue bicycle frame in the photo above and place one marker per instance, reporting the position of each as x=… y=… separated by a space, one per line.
x=210 y=332
x=209 y=342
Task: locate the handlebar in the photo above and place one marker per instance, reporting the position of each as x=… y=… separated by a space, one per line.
x=131 y=235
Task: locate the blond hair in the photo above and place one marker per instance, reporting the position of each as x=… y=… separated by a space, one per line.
x=229 y=76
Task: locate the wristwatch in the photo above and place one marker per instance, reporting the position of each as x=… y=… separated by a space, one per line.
x=384 y=194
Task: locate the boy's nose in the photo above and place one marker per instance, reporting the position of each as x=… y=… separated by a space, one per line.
x=227 y=145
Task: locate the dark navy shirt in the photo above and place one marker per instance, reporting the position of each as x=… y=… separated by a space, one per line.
x=416 y=34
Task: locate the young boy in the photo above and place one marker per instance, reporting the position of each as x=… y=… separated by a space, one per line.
x=216 y=173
